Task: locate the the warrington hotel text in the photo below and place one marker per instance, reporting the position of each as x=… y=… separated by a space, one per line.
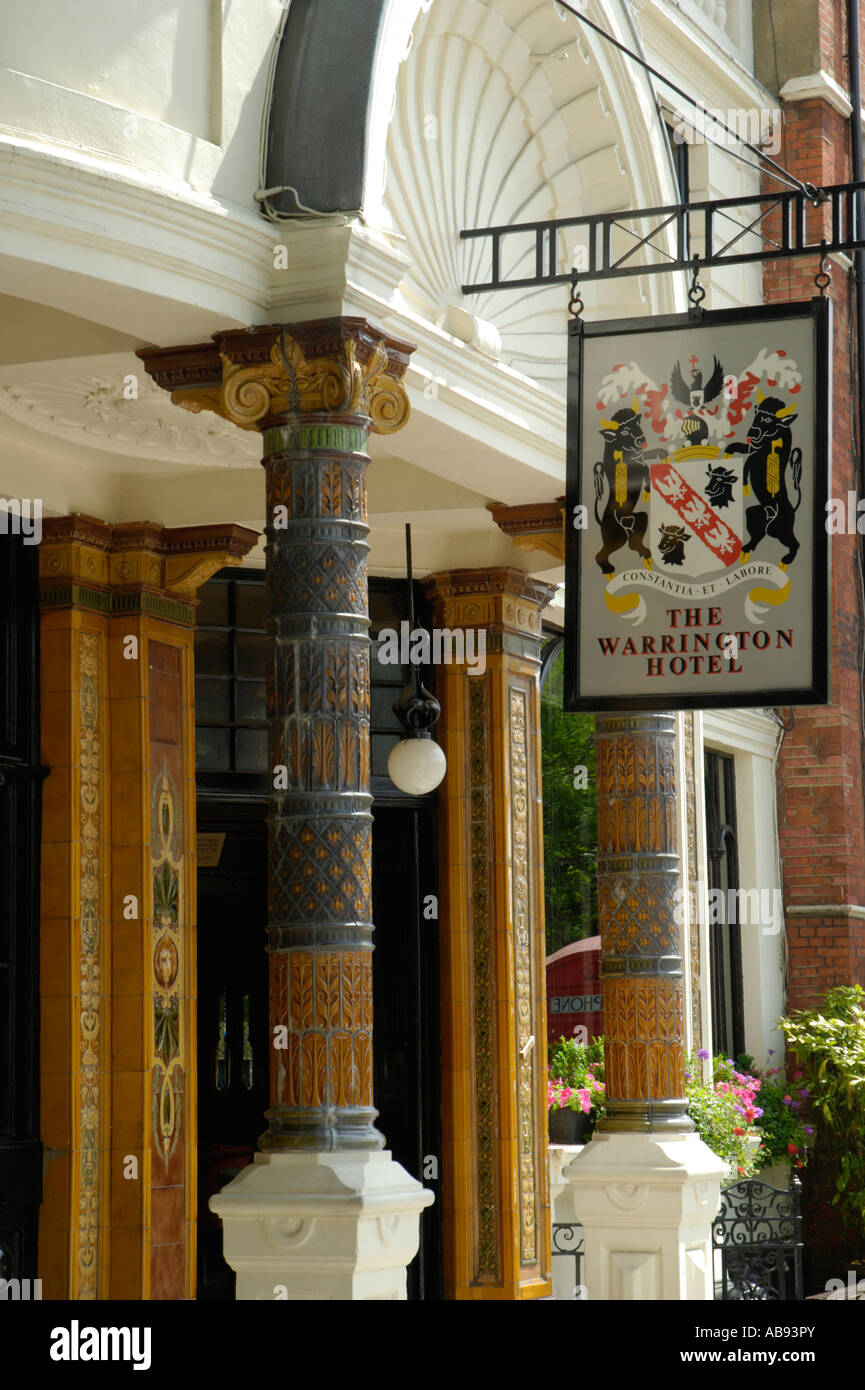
x=685 y=650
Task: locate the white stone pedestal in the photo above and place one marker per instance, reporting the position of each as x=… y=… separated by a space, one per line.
x=337 y=1225
x=646 y=1203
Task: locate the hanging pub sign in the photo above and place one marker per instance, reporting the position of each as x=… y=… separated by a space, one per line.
x=697 y=489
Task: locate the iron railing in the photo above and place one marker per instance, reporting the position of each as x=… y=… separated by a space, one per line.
x=568 y=1240
x=759 y=1234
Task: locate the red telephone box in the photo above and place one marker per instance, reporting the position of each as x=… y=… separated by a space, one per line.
x=574 y=991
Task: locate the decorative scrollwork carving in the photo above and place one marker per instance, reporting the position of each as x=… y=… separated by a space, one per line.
x=292 y=382
x=246 y=392
x=388 y=404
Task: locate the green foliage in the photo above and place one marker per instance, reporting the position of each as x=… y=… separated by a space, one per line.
x=576 y=1068
x=829 y=1044
x=717 y=1111
x=780 y=1125
x=570 y=817
x=571 y=1060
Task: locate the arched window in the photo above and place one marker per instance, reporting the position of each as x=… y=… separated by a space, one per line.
x=570 y=810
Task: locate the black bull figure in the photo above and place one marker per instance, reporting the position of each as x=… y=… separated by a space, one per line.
x=770 y=456
x=626 y=474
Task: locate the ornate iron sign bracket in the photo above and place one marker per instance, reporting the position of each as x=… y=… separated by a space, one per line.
x=655 y=241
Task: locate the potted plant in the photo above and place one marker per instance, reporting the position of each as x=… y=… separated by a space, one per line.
x=575 y=1090
x=725 y=1112
x=784 y=1135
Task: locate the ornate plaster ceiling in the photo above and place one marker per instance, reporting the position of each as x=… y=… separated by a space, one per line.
x=109 y=404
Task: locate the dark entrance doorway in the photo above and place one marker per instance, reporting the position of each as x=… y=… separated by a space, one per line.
x=406 y=1048
x=728 y=1014
x=233 y=1054
x=233 y=1040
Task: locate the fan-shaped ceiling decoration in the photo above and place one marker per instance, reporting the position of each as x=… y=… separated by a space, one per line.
x=500 y=117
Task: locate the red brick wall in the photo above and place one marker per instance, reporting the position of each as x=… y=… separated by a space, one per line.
x=820 y=777
x=820 y=785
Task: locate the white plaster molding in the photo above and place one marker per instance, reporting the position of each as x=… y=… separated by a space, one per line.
x=694 y=59
x=109 y=134
x=394 y=47
x=117 y=247
x=152 y=263
x=818 y=86
x=741 y=731
x=92 y=410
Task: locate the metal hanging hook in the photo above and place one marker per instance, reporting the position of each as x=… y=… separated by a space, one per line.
x=823 y=279
x=575 y=303
x=697 y=292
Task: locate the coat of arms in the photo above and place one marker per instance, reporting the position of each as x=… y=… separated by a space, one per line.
x=698 y=476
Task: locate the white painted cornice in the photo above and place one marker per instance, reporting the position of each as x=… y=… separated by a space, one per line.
x=741 y=730
x=173 y=267
x=818 y=86
x=696 y=62
x=159 y=259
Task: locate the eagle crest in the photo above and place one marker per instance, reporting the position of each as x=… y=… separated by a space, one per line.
x=696 y=395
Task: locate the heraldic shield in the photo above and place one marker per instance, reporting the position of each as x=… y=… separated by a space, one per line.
x=696 y=512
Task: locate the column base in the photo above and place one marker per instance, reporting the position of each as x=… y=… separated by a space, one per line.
x=339 y=1225
x=646 y=1203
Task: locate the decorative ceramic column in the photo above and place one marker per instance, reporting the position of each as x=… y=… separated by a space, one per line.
x=323 y=1212
x=646 y=1188
x=118 y=931
x=491 y=925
